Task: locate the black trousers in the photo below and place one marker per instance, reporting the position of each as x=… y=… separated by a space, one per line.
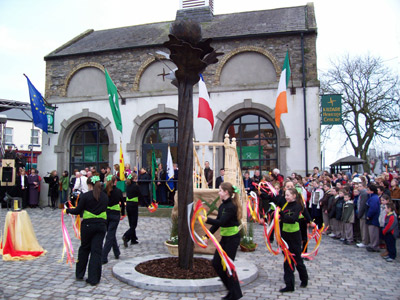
x=132 y=210
x=293 y=239
x=304 y=233
x=111 y=239
x=230 y=244
x=92 y=236
x=390 y=241
x=24 y=195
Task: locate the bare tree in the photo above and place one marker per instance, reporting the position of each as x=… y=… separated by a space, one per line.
x=370 y=100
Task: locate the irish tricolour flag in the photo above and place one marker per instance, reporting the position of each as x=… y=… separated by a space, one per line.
x=281 y=99
x=205 y=110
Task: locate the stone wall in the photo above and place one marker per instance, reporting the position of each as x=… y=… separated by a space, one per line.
x=124 y=65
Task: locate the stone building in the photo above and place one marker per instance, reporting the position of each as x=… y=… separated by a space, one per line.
x=242 y=88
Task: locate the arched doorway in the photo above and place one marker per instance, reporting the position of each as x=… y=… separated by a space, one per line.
x=159 y=135
x=89 y=147
x=257 y=142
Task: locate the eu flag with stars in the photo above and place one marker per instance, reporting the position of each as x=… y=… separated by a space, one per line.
x=37 y=106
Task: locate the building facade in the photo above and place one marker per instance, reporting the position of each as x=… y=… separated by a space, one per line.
x=21 y=136
x=242 y=88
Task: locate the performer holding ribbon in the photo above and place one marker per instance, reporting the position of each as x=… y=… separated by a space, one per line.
x=115 y=209
x=229 y=214
x=132 y=209
x=291 y=235
x=93 y=206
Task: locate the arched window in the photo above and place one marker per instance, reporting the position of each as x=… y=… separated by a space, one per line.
x=256 y=142
x=89 y=147
x=159 y=135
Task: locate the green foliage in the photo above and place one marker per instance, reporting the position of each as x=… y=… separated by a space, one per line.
x=173 y=237
x=247 y=237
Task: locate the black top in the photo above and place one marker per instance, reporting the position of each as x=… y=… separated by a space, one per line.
x=53 y=185
x=144 y=180
x=116 y=197
x=290 y=214
x=282 y=201
x=227 y=216
x=132 y=190
x=89 y=203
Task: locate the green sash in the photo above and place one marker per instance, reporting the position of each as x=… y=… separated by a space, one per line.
x=89 y=215
x=114 y=207
x=229 y=231
x=135 y=199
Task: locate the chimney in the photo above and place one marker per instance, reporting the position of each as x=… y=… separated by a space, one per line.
x=195 y=10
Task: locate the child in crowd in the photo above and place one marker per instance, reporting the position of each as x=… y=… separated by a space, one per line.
x=390 y=232
x=332 y=212
x=348 y=219
x=385 y=199
x=356 y=225
x=338 y=214
x=314 y=206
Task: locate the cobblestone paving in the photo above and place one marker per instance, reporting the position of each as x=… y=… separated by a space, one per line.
x=338 y=272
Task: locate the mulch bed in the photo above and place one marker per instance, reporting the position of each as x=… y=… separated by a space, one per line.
x=168 y=268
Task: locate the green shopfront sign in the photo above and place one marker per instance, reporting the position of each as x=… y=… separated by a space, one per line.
x=331 y=109
x=50 y=111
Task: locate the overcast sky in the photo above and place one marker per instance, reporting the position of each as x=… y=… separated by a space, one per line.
x=29 y=30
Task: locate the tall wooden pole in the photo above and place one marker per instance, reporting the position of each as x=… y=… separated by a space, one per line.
x=191 y=55
x=185 y=179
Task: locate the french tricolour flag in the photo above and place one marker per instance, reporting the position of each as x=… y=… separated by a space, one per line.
x=205 y=110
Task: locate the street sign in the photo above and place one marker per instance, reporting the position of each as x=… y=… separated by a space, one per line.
x=50 y=111
x=331 y=109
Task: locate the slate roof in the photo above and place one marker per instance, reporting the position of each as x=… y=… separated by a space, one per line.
x=253 y=23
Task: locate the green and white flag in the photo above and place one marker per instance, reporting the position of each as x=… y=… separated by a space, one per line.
x=113 y=98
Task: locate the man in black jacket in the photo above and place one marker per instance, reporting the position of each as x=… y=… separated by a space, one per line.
x=144 y=181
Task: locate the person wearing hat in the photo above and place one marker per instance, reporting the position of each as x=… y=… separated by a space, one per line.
x=81 y=183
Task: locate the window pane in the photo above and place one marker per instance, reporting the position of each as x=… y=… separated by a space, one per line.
x=166 y=135
x=103 y=153
x=268 y=165
x=249 y=119
x=250 y=131
x=9 y=130
x=269 y=149
x=89 y=126
x=76 y=154
x=90 y=153
x=151 y=137
x=90 y=137
x=103 y=137
x=268 y=133
x=77 y=138
x=233 y=131
x=166 y=123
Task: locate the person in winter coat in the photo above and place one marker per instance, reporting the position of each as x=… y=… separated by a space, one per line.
x=389 y=232
x=373 y=204
x=348 y=219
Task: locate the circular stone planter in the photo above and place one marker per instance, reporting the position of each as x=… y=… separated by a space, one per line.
x=125 y=271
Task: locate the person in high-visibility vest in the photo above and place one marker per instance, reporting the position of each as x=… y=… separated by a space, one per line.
x=228 y=219
x=291 y=234
x=92 y=206
x=115 y=209
x=132 y=209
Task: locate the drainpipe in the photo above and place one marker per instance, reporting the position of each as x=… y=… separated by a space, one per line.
x=305 y=103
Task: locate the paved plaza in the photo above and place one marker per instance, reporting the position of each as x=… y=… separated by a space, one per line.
x=338 y=272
